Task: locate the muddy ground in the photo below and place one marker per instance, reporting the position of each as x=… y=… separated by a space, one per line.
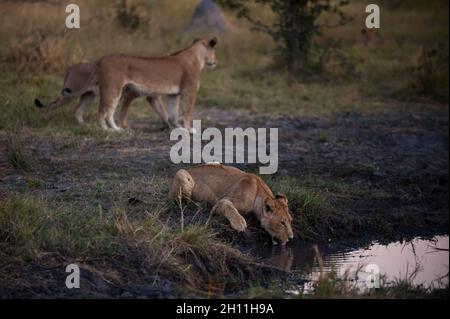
x=404 y=156
x=401 y=160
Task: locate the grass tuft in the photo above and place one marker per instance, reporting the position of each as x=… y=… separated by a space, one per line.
x=323 y=137
x=15 y=152
x=194 y=258
x=431 y=77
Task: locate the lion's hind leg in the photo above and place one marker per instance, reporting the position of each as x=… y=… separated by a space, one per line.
x=85 y=100
x=182 y=186
x=227 y=209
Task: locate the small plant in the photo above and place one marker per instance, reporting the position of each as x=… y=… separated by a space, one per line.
x=99 y=188
x=311 y=203
x=34 y=183
x=431 y=77
x=20 y=218
x=127 y=16
x=15 y=153
x=323 y=137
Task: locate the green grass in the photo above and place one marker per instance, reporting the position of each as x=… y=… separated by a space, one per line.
x=34 y=183
x=385 y=78
x=312 y=209
x=320 y=206
x=30 y=227
x=20 y=220
x=323 y=137
x=15 y=153
x=99 y=188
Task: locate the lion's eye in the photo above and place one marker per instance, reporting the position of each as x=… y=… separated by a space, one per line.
x=284 y=224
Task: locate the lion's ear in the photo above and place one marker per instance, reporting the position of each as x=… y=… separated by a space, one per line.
x=281 y=197
x=267 y=208
x=195 y=41
x=213 y=42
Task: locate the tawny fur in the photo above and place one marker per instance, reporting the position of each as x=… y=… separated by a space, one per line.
x=177 y=76
x=81 y=81
x=234 y=193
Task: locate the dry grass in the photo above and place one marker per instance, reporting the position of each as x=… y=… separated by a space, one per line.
x=195 y=258
x=369 y=78
x=15 y=152
x=37 y=52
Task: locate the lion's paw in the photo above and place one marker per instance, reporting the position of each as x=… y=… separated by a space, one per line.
x=239 y=224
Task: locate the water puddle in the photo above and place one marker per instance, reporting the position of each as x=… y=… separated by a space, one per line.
x=423 y=262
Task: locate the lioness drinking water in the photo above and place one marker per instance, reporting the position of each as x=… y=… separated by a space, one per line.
x=234 y=193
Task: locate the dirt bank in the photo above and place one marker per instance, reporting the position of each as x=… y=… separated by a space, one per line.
x=381 y=177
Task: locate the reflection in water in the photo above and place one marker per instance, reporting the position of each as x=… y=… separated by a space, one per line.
x=282 y=258
x=421 y=261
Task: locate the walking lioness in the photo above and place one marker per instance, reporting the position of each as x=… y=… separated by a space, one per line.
x=80 y=80
x=234 y=193
x=177 y=76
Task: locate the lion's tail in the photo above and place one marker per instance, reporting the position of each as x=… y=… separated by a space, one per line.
x=71 y=89
x=65 y=95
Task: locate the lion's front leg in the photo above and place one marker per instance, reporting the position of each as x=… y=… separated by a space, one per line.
x=227 y=209
x=173 y=108
x=127 y=98
x=157 y=104
x=187 y=102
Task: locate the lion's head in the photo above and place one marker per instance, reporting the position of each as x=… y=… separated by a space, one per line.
x=276 y=218
x=208 y=51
